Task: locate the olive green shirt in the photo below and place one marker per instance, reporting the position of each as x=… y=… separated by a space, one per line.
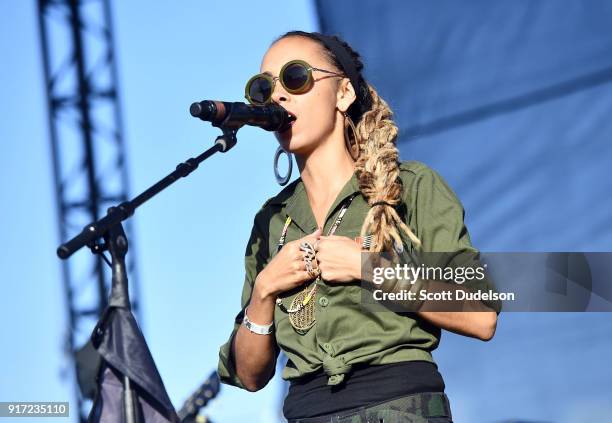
x=345 y=333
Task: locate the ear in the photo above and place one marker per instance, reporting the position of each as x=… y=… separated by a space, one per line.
x=346 y=95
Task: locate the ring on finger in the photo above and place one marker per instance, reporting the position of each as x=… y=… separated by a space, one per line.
x=315 y=268
x=310 y=256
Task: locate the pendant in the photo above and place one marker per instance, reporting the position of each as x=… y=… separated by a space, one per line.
x=304 y=317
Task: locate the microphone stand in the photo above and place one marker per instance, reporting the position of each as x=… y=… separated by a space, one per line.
x=111 y=230
x=118 y=214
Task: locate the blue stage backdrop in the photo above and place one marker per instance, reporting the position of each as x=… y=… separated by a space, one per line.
x=511 y=102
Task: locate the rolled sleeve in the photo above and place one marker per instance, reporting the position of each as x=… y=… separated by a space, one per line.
x=441 y=228
x=256 y=256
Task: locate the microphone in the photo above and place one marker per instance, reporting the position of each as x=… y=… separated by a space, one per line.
x=234 y=115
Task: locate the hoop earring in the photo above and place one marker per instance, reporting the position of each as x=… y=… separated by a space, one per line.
x=282 y=180
x=351 y=139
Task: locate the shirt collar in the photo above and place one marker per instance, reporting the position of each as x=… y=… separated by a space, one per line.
x=298 y=207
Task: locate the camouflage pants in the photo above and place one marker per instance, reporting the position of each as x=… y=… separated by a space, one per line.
x=428 y=407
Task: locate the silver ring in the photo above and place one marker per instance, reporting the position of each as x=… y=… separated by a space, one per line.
x=309 y=256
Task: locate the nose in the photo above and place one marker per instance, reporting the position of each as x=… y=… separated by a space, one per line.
x=279 y=94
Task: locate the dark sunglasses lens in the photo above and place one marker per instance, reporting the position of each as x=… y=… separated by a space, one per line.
x=260 y=90
x=295 y=76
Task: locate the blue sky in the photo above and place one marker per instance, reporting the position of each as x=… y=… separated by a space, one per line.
x=190 y=240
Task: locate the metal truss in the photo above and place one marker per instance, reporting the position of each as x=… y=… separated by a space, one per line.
x=88 y=154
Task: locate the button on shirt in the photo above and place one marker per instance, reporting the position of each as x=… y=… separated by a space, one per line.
x=345 y=333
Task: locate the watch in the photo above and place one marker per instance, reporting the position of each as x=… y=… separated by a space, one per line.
x=255 y=328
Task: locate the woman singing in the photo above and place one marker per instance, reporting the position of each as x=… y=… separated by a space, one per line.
x=303 y=287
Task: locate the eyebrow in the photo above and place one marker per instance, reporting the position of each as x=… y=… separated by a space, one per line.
x=267 y=73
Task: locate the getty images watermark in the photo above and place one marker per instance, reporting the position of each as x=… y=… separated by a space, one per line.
x=412 y=274
x=471 y=281
x=428 y=282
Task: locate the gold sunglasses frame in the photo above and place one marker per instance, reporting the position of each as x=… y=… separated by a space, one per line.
x=272 y=79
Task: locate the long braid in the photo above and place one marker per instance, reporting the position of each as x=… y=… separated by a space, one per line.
x=378 y=171
x=377 y=167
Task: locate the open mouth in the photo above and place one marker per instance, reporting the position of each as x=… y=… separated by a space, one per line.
x=291 y=123
x=293 y=119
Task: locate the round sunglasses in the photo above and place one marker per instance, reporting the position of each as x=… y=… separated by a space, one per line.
x=295 y=77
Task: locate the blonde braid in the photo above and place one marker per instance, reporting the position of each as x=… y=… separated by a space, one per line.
x=377 y=169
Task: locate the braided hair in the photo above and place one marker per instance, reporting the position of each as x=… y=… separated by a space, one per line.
x=377 y=167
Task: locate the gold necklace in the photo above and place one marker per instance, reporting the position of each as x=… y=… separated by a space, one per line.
x=302 y=310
